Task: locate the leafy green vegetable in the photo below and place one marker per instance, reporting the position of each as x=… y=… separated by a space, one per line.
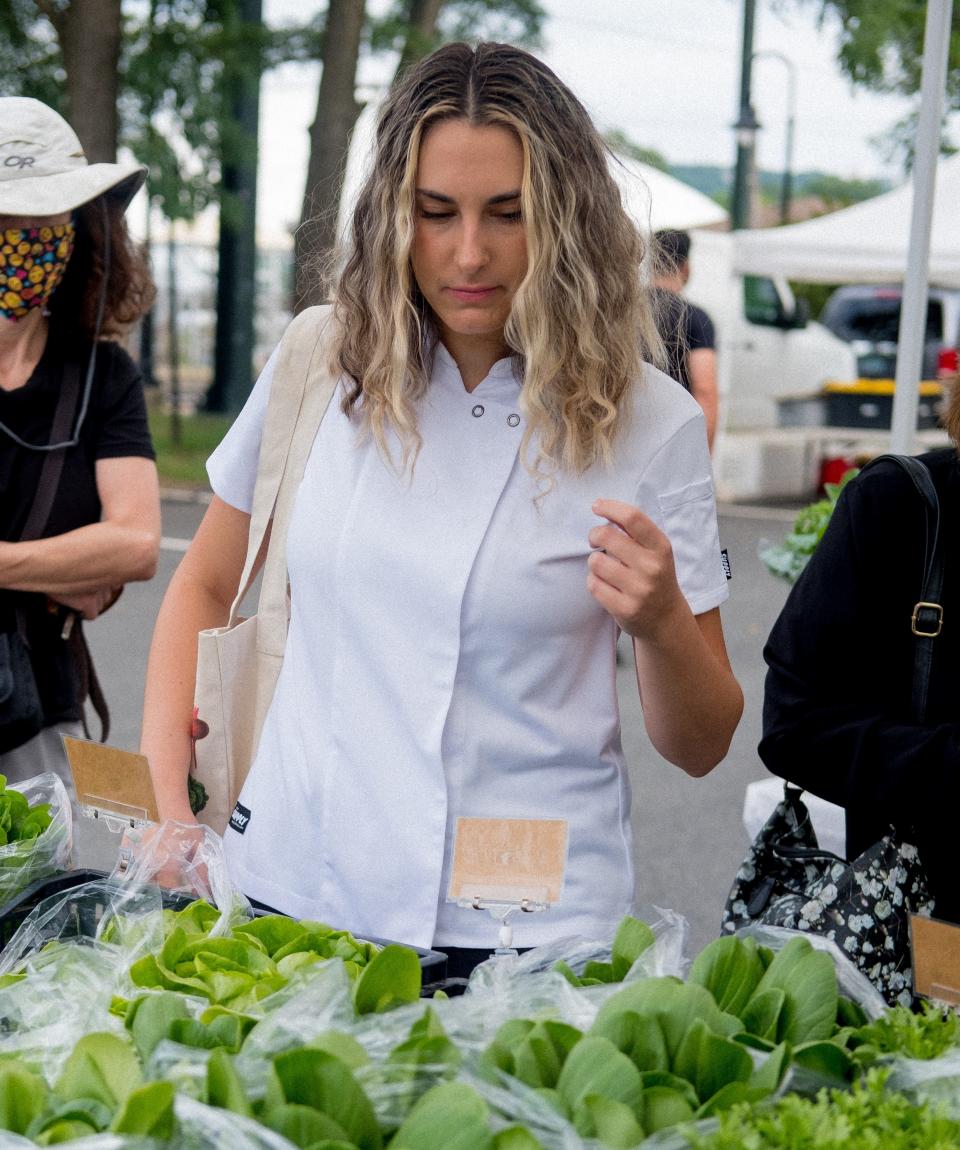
x=392 y=978
x=730 y=968
x=313 y=1078
x=533 y=1052
x=22 y=1098
x=224 y=1088
x=808 y=981
x=147 y=1111
x=633 y=937
x=789 y=558
x=149 y=1018
x=595 y=1066
x=866 y=1118
x=927 y=1034
x=451 y=1116
x=710 y=1061
x=102 y=1067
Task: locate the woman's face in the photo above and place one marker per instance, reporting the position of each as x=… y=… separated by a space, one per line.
x=469 y=251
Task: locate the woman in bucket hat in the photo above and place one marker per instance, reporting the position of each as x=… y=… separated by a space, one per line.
x=79 y=506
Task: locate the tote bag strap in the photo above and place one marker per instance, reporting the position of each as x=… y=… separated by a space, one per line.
x=273 y=613
x=300 y=391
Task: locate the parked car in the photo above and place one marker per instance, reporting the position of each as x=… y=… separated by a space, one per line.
x=868 y=317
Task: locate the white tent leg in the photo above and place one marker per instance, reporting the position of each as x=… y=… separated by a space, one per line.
x=913 y=313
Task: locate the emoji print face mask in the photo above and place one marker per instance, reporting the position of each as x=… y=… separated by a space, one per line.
x=32 y=263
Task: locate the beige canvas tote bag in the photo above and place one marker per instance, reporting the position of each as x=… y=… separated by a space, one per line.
x=238 y=664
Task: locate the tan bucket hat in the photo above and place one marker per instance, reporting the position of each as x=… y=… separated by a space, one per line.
x=43 y=171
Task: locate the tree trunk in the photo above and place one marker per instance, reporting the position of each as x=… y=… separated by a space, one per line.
x=237 y=250
x=422 y=22
x=330 y=133
x=89 y=34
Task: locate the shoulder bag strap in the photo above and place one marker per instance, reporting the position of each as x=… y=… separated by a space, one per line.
x=53 y=461
x=301 y=390
x=51 y=469
x=927 y=618
x=287 y=389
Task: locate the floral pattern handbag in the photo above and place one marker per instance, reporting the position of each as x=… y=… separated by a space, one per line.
x=864 y=906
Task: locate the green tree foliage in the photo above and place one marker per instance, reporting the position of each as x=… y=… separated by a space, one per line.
x=838 y=192
x=881 y=44
x=513 y=21
x=30 y=61
x=172 y=101
x=881 y=48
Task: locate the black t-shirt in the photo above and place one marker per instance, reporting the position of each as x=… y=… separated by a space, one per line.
x=115 y=427
x=683 y=327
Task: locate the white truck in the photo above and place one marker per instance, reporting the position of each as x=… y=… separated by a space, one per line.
x=768 y=349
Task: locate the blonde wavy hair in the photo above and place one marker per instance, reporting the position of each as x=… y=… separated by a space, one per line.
x=580 y=323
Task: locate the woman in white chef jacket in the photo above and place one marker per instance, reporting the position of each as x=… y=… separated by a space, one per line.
x=503 y=486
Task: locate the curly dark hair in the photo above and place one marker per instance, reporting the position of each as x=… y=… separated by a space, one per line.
x=130 y=288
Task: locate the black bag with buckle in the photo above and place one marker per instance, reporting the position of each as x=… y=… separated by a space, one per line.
x=21 y=709
x=863 y=905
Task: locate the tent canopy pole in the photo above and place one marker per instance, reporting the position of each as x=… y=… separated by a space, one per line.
x=913 y=312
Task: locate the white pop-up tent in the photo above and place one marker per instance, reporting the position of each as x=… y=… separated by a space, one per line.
x=653 y=198
x=865 y=243
x=657 y=200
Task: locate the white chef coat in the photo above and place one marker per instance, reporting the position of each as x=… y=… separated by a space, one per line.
x=445 y=659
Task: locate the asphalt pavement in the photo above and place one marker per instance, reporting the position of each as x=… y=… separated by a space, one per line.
x=689 y=833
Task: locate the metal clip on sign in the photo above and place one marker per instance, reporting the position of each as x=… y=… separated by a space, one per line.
x=501 y=910
x=115 y=815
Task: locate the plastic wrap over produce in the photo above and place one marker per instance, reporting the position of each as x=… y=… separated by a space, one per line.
x=201 y=1127
x=653 y=950
x=36 y=830
x=851 y=982
x=936 y=1080
x=186 y=858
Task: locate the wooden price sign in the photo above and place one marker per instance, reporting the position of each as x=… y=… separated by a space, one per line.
x=111 y=781
x=509 y=860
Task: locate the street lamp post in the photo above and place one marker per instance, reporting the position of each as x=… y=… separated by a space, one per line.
x=745 y=129
x=786 y=186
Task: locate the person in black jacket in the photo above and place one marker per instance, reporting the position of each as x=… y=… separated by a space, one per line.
x=837 y=716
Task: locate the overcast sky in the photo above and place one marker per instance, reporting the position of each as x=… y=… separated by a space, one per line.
x=664 y=71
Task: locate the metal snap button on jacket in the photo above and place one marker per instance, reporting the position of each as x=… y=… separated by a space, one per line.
x=478 y=411
x=513 y=419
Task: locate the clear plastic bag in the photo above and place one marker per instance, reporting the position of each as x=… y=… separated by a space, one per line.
x=66 y=994
x=27 y=861
x=296 y=1015
x=186 y=858
x=851 y=982
x=130 y=915
x=203 y=1127
x=936 y=1080
x=514 y=1102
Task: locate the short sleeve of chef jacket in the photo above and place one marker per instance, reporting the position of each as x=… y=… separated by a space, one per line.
x=665 y=449
x=676 y=486
x=232 y=468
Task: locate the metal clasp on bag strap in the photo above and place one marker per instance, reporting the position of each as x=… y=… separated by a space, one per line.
x=925 y=616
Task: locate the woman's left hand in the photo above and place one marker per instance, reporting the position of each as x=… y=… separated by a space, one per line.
x=631 y=573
